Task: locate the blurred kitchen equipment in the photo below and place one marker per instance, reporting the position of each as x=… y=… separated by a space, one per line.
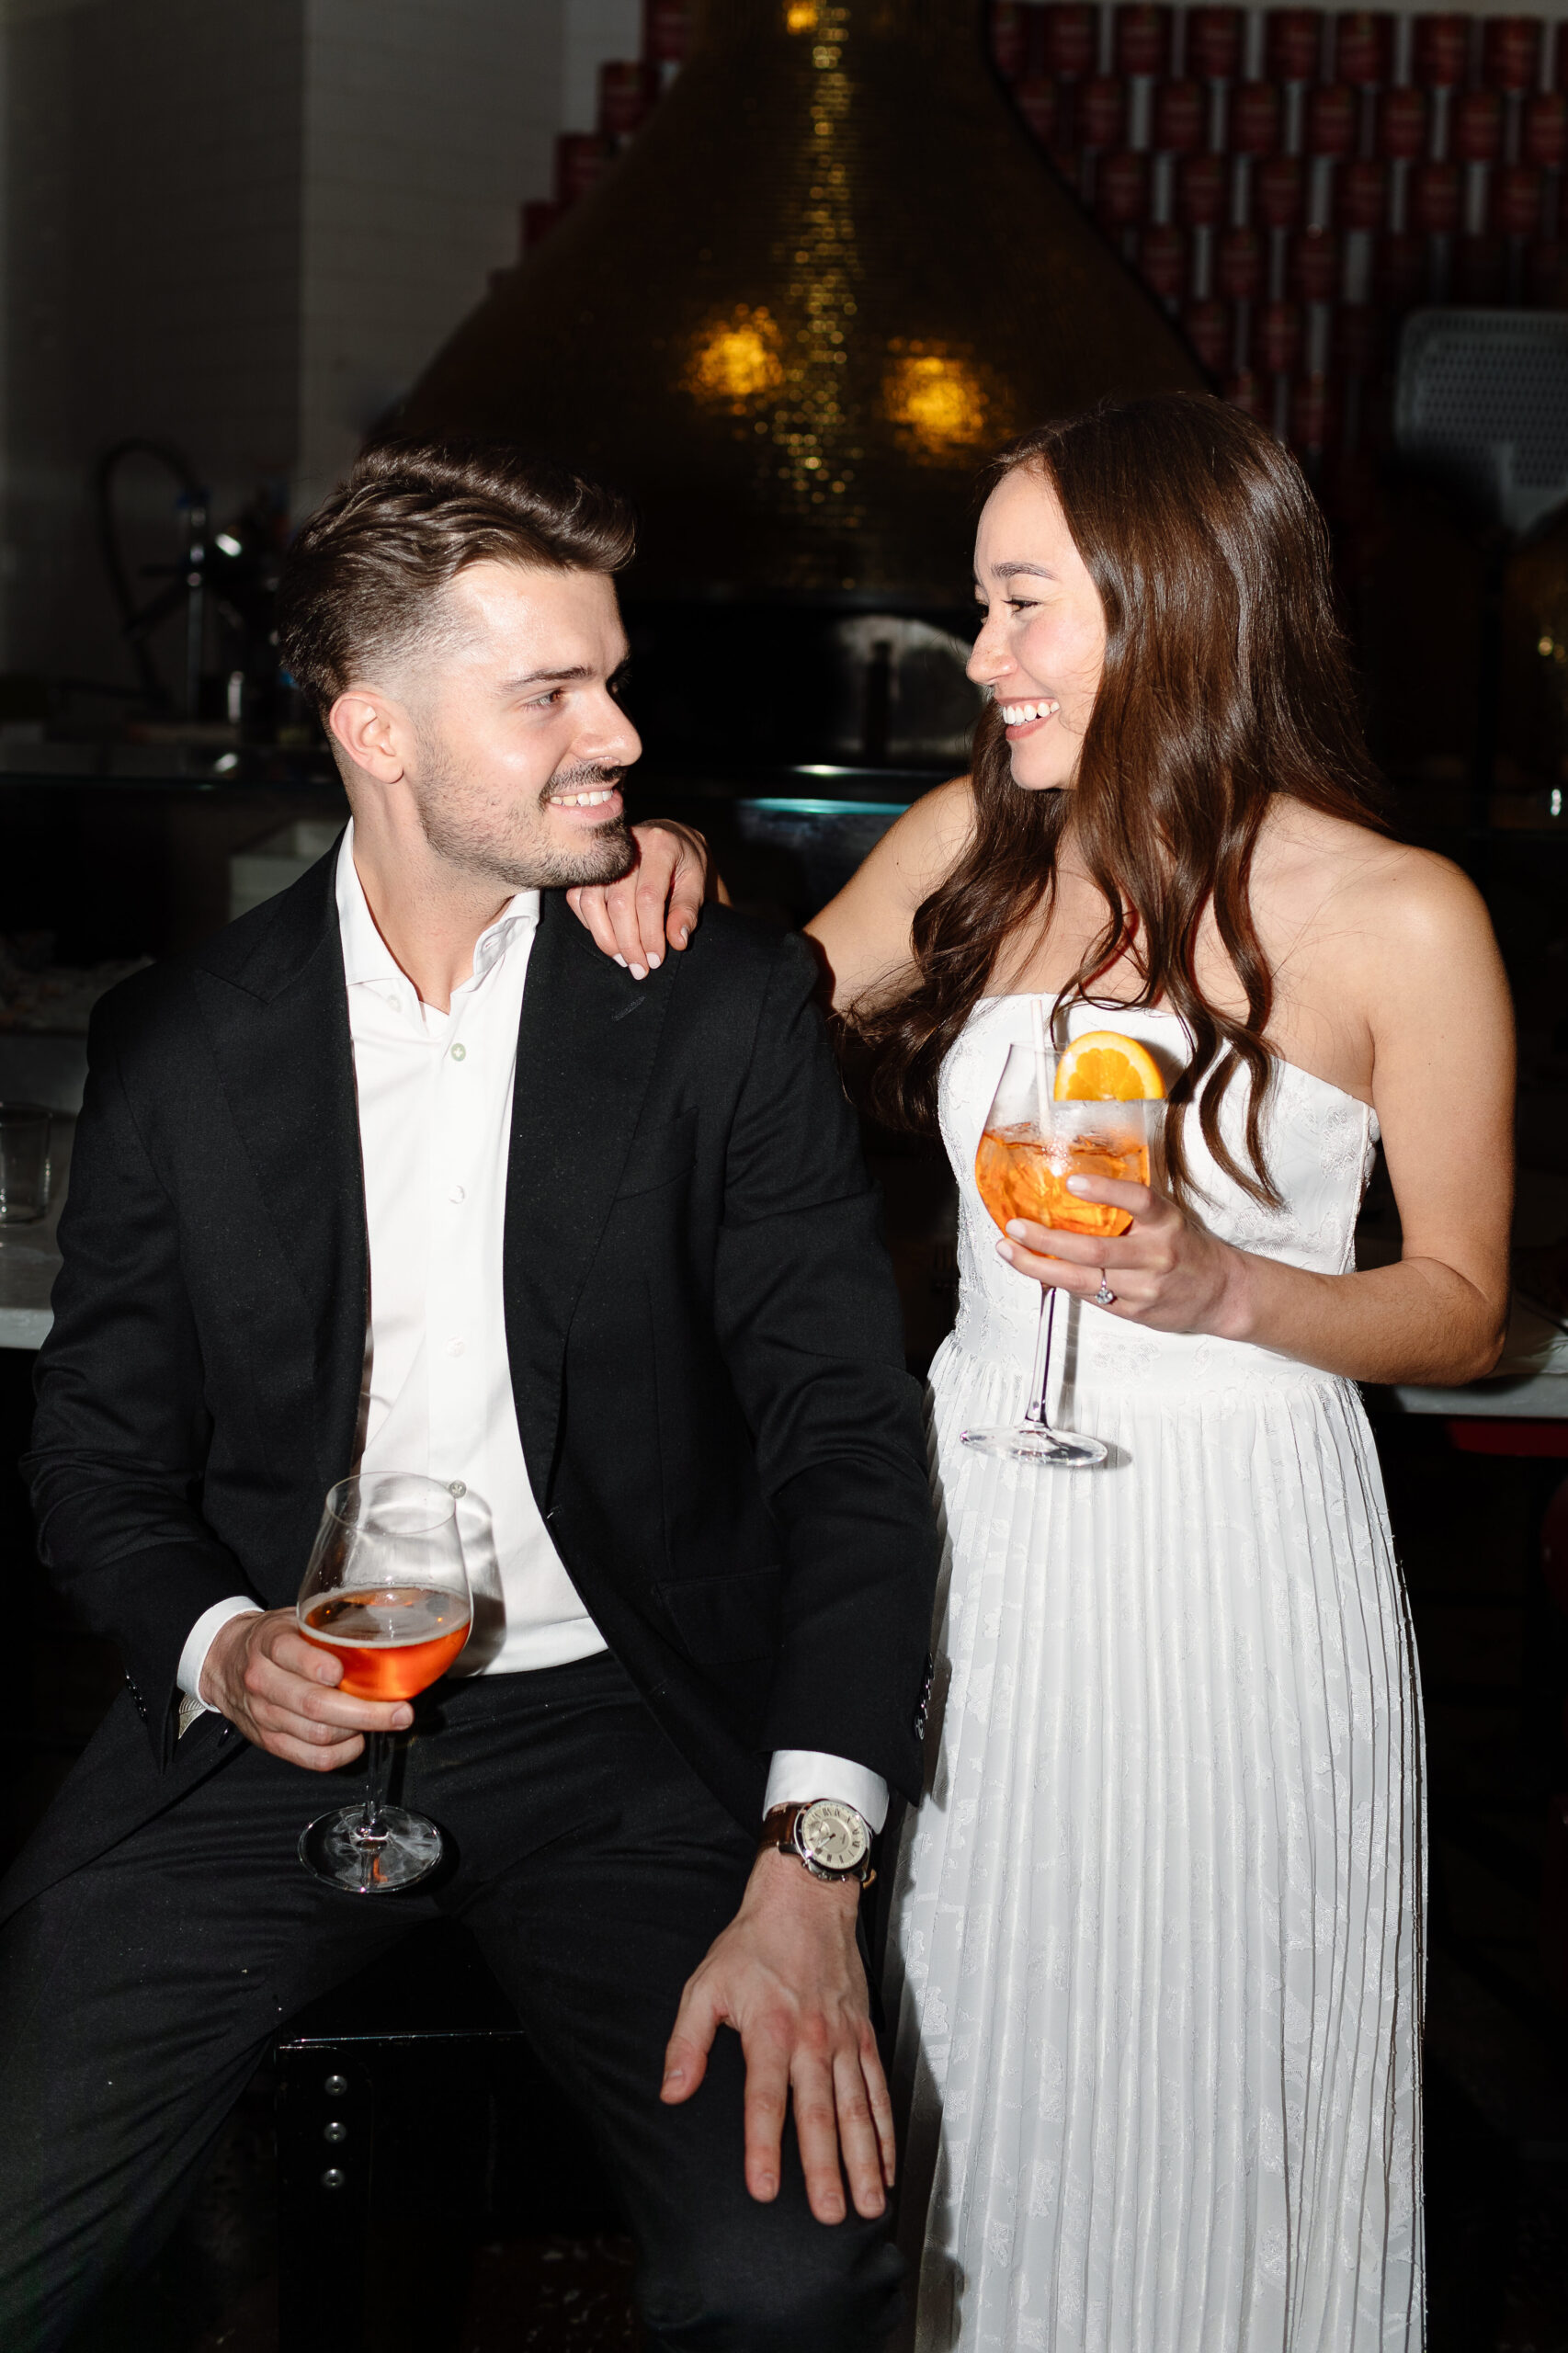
x=1481 y=404
x=1480 y=407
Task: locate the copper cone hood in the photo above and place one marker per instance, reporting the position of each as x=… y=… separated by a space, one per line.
x=827 y=278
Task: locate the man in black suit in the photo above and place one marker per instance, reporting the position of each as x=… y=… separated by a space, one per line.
x=398 y=1171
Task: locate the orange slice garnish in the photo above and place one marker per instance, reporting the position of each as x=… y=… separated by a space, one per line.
x=1102 y=1067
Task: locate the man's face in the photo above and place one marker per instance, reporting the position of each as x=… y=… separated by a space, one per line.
x=515 y=742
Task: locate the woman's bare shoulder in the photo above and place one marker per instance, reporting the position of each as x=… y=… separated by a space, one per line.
x=1369 y=940
x=1313 y=870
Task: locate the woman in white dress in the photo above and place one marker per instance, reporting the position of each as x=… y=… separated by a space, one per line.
x=1159 y=1924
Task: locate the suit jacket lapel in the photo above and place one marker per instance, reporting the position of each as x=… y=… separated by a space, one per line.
x=276 y=1007
x=586 y=1047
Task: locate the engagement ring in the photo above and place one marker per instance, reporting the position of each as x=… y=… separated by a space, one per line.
x=1105 y=1296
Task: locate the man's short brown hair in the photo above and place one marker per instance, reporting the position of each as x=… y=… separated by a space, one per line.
x=359 y=584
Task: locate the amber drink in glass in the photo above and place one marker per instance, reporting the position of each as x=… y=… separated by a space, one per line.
x=1030 y=1146
x=387 y=1592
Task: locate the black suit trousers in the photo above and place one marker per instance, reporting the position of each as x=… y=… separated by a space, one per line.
x=594 y=1868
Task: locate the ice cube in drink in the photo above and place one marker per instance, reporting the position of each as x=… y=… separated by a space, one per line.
x=1021 y=1175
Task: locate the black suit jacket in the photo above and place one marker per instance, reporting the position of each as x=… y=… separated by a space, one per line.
x=701 y=1323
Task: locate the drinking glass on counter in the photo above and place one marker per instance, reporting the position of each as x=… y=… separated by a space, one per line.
x=1030 y=1146
x=387 y=1591
x=24 y=1162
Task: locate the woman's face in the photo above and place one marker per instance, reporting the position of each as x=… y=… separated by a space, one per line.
x=1042 y=647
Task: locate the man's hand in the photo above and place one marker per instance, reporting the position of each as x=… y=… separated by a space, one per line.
x=787 y=1976
x=280 y=1689
x=660 y=899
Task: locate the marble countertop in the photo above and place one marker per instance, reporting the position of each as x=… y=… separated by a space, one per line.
x=1529 y=1385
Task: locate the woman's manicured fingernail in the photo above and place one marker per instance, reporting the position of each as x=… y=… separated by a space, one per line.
x=1003 y=1250
x=621 y=961
x=654 y=962
x=639 y=972
x=1078 y=1184
x=681 y=938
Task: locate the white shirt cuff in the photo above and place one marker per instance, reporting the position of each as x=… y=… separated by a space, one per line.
x=801 y=1773
x=198 y=1641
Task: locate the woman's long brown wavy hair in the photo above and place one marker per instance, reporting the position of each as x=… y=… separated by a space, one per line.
x=1225 y=683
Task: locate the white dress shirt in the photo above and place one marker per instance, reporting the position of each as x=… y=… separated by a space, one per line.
x=434 y=1100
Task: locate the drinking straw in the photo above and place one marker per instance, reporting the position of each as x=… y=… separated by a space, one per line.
x=1037 y=1006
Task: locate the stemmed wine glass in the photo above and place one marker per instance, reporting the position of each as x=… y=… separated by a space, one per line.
x=387 y=1591
x=1031 y=1146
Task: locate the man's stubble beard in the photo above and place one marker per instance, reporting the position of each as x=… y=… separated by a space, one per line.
x=462 y=836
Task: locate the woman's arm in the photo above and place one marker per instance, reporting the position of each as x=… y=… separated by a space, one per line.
x=1422 y=961
x=864 y=932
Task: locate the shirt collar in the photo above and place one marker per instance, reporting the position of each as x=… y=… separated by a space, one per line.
x=366 y=956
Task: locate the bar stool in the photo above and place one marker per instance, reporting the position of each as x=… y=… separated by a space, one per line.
x=413 y=2120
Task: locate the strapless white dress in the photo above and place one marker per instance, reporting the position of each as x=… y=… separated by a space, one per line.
x=1158 y=1938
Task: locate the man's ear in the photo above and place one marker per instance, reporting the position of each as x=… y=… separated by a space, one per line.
x=365 y=728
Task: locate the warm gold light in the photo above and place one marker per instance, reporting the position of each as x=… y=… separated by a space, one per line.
x=800 y=17
x=939 y=401
x=737 y=359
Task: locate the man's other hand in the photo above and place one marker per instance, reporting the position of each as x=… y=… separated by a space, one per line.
x=787 y=1976
x=280 y=1689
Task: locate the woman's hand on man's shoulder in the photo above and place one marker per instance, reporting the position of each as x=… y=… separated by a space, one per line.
x=657 y=901
x=863 y=933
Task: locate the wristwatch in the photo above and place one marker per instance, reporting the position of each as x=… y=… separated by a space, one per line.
x=829 y=1837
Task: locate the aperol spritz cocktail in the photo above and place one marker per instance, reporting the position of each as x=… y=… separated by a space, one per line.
x=1021 y=1174
x=1031 y=1144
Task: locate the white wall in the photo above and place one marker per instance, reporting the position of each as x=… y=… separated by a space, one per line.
x=594 y=31
x=426 y=124
x=150 y=167
x=244 y=226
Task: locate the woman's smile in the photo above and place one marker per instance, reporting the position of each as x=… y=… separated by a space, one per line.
x=1026 y=716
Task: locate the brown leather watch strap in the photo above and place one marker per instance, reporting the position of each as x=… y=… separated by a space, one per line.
x=778 y=1827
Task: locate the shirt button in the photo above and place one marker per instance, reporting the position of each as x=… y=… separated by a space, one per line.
x=454 y=1348
x=457 y=1194
x=458 y=1488
x=459 y=1052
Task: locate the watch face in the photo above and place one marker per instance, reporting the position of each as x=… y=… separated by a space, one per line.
x=833 y=1835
